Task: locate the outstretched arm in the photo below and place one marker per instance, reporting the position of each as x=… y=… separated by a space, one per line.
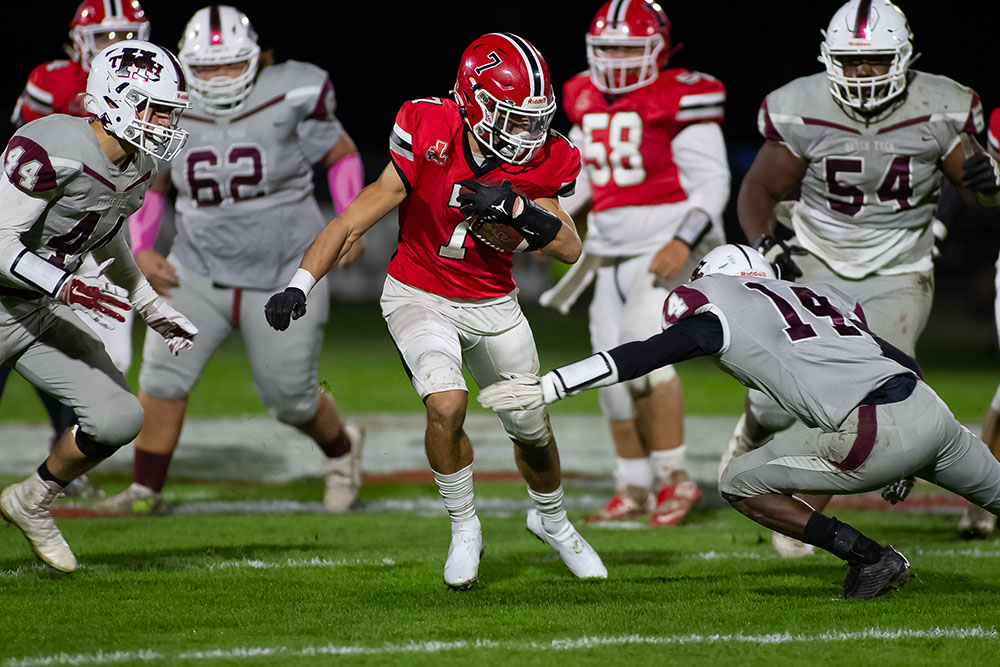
x=693 y=337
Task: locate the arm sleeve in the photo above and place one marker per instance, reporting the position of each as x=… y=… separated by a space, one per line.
x=699 y=152
x=18 y=212
x=692 y=337
x=144 y=224
x=345 y=177
x=124 y=271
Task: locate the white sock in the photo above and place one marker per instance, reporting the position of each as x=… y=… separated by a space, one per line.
x=550 y=506
x=459 y=499
x=633 y=472
x=667 y=461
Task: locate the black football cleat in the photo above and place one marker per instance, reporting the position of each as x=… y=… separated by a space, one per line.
x=869 y=581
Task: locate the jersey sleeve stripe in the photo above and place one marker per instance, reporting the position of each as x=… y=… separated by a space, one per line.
x=400 y=147
x=38 y=95
x=701 y=113
x=766 y=126
x=702 y=99
x=566 y=189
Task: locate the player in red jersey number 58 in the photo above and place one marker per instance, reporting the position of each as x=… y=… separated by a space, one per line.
x=487 y=154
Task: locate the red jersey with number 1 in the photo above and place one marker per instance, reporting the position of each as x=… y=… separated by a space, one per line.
x=430 y=150
x=53 y=87
x=627 y=137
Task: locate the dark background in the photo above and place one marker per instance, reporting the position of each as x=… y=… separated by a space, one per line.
x=380 y=54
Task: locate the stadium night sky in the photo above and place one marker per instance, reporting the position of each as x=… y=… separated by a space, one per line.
x=382 y=53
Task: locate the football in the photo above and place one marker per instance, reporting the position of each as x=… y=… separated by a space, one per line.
x=497 y=234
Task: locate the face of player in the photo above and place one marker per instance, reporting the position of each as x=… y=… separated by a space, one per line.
x=226 y=70
x=866 y=67
x=624 y=53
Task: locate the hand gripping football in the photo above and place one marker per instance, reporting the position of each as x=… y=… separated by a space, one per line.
x=494 y=232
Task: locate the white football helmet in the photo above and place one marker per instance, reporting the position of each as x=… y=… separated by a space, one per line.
x=867 y=28
x=732 y=259
x=219 y=35
x=127 y=79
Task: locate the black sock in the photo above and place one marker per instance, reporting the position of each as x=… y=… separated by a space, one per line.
x=43 y=472
x=841 y=539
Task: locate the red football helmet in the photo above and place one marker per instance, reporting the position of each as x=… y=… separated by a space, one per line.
x=505 y=95
x=100 y=23
x=635 y=24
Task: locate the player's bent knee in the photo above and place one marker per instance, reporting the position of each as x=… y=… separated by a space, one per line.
x=731 y=498
x=114 y=423
x=294 y=412
x=529 y=428
x=640 y=387
x=93 y=449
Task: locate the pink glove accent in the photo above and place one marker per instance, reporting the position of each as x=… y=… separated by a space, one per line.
x=346 y=178
x=144 y=224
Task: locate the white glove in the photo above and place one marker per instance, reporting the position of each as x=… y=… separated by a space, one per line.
x=519 y=391
x=164 y=319
x=94 y=296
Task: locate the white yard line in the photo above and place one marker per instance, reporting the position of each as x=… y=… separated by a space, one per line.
x=563 y=644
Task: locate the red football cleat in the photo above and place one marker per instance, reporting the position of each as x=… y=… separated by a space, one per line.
x=621 y=508
x=673 y=503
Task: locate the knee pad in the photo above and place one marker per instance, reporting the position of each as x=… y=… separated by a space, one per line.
x=616 y=402
x=640 y=387
x=767 y=412
x=528 y=427
x=114 y=423
x=93 y=449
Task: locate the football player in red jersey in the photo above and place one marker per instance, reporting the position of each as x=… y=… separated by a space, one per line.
x=658 y=183
x=976 y=523
x=449 y=297
x=57 y=86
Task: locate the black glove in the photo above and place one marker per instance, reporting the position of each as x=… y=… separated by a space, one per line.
x=980 y=173
x=285 y=306
x=495 y=202
x=777 y=253
x=897 y=491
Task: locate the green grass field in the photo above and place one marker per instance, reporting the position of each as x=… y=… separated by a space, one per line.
x=365 y=588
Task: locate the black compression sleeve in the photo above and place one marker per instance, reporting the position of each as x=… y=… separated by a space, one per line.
x=693 y=337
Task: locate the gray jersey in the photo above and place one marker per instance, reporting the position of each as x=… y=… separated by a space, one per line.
x=245 y=205
x=62 y=197
x=804 y=346
x=870 y=190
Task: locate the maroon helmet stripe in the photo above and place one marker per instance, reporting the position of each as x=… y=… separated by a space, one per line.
x=214 y=25
x=861 y=28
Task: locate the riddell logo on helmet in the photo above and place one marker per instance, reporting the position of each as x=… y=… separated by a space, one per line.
x=536 y=101
x=754 y=274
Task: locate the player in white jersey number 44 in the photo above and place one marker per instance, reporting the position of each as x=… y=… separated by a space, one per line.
x=68 y=187
x=871 y=419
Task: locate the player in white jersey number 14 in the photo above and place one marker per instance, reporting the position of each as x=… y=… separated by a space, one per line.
x=870 y=418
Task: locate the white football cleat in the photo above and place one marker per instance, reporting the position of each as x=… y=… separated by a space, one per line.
x=739 y=444
x=461 y=569
x=789 y=547
x=976 y=523
x=27 y=505
x=136 y=500
x=342 y=474
x=580 y=557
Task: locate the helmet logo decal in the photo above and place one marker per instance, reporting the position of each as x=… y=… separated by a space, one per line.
x=494 y=61
x=861 y=27
x=134 y=63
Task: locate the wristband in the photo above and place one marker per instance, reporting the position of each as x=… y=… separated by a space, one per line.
x=694 y=227
x=302 y=280
x=538 y=226
x=38 y=273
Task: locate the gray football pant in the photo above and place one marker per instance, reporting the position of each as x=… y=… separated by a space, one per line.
x=896 y=309
x=55 y=351
x=917 y=436
x=283 y=363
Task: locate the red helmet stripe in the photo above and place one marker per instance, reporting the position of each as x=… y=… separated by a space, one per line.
x=861 y=27
x=535 y=72
x=214 y=25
